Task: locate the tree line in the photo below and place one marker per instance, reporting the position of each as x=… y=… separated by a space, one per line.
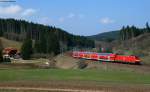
x=42 y=38
x=129 y=32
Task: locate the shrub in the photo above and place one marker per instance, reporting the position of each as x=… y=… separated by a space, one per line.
x=82 y=64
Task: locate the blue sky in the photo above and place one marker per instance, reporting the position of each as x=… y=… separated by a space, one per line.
x=81 y=17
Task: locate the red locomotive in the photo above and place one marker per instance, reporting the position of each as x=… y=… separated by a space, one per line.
x=110 y=57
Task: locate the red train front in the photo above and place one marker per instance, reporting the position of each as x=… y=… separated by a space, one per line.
x=109 y=57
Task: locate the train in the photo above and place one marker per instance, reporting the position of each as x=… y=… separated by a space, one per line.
x=107 y=57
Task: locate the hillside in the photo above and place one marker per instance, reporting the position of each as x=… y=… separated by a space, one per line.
x=46 y=39
x=139 y=46
x=133 y=41
x=10 y=43
x=106 y=36
x=135 y=44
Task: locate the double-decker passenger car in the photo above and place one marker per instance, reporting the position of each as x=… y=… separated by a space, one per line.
x=109 y=57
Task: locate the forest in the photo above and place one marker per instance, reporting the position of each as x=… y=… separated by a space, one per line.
x=44 y=39
x=129 y=32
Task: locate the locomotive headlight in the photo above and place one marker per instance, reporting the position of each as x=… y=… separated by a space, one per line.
x=138 y=60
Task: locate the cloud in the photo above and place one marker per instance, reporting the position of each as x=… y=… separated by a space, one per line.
x=71 y=15
x=16 y=11
x=62 y=19
x=81 y=16
x=10 y=10
x=28 y=12
x=45 y=20
x=106 y=20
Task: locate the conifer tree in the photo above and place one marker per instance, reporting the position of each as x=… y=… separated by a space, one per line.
x=26 y=49
x=147 y=27
x=1 y=49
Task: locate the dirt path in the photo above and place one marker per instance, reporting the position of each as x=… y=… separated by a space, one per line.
x=47 y=89
x=62 y=86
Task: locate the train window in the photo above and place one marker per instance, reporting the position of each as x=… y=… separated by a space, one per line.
x=136 y=57
x=103 y=54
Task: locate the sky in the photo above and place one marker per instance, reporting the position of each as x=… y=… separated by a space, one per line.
x=80 y=17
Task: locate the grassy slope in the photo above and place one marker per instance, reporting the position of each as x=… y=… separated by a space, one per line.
x=102 y=76
x=10 y=43
x=139 y=46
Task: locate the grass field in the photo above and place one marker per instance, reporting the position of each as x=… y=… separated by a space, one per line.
x=10 y=43
x=106 y=76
